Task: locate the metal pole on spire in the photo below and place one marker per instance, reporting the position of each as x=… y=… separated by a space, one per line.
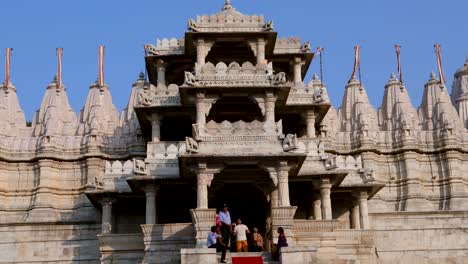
x=101 y=66
x=439 y=63
x=356 y=62
x=59 y=68
x=400 y=74
x=319 y=52
x=7 y=66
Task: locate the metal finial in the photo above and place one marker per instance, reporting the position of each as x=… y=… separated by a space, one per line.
x=227 y=5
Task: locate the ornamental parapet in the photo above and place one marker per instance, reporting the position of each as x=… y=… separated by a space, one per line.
x=154 y=96
x=291 y=45
x=304 y=226
x=166 y=46
x=234 y=74
x=229 y=21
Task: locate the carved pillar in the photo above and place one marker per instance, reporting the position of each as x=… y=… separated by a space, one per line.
x=203 y=181
x=161 y=68
x=260 y=51
x=310 y=121
x=283 y=185
x=151 y=190
x=325 y=190
x=200 y=106
x=270 y=107
x=297 y=70
x=203 y=48
x=106 y=223
x=363 y=211
x=355 y=222
x=155 y=127
x=274 y=197
x=317 y=204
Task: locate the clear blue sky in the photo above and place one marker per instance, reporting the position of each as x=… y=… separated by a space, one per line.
x=35 y=28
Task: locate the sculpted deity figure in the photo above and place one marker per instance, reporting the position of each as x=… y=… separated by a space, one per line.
x=192 y=25
x=144 y=97
x=191 y=145
x=139 y=167
x=279 y=78
x=290 y=142
x=318 y=95
x=306 y=47
x=268 y=26
x=190 y=79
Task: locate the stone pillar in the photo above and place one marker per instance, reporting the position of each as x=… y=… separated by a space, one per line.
x=317 y=204
x=161 y=68
x=283 y=185
x=200 y=106
x=260 y=51
x=325 y=190
x=203 y=181
x=363 y=211
x=270 y=107
x=310 y=121
x=297 y=70
x=274 y=198
x=203 y=48
x=106 y=223
x=155 y=127
x=355 y=222
x=151 y=190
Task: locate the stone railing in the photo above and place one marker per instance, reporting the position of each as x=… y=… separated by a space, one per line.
x=234 y=74
x=228 y=21
x=288 y=45
x=313 y=93
x=304 y=226
x=166 y=47
x=239 y=128
x=161 y=95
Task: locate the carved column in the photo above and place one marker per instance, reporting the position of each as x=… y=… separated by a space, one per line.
x=325 y=190
x=106 y=223
x=151 y=190
x=260 y=51
x=363 y=211
x=355 y=222
x=317 y=204
x=200 y=106
x=283 y=185
x=161 y=68
x=274 y=197
x=297 y=70
x=203 y=47
x=310 y=121
x=270 y=107
x=155 y=127
x=203 y=181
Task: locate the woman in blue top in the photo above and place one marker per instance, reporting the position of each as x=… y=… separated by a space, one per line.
x=282 y=242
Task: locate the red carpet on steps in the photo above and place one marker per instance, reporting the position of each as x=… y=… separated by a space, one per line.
x=247 y=260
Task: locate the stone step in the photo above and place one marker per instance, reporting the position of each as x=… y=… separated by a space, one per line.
x=266 y=256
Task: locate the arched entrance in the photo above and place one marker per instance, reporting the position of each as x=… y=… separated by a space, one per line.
x=245 y=190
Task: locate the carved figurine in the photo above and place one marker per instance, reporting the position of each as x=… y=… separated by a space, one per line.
x=330 y=162
x=150 y=50
x=367 y=175
x=97 y=184
x=306 y=47
x=191 y=145
x=190 y=79
x=279 y=78
x=268 y=26
x=318 y=95
x=139 y=167
x=192 y=25
x=290 y=142
x=144 y=98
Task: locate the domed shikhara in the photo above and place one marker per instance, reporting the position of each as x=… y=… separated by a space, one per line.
x=224 y=116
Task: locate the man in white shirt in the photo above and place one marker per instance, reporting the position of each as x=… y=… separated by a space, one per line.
x=241 y=231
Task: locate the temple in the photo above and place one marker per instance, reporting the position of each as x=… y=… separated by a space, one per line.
x=224 y=116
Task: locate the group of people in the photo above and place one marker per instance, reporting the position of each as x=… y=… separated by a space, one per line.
x=225 y=232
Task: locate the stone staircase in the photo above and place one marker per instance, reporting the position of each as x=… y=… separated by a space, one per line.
x=266 y=256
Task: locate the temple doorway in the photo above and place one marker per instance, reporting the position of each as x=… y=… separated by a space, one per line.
x=245 y=201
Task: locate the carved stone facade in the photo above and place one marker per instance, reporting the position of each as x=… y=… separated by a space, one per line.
x=225 y=117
